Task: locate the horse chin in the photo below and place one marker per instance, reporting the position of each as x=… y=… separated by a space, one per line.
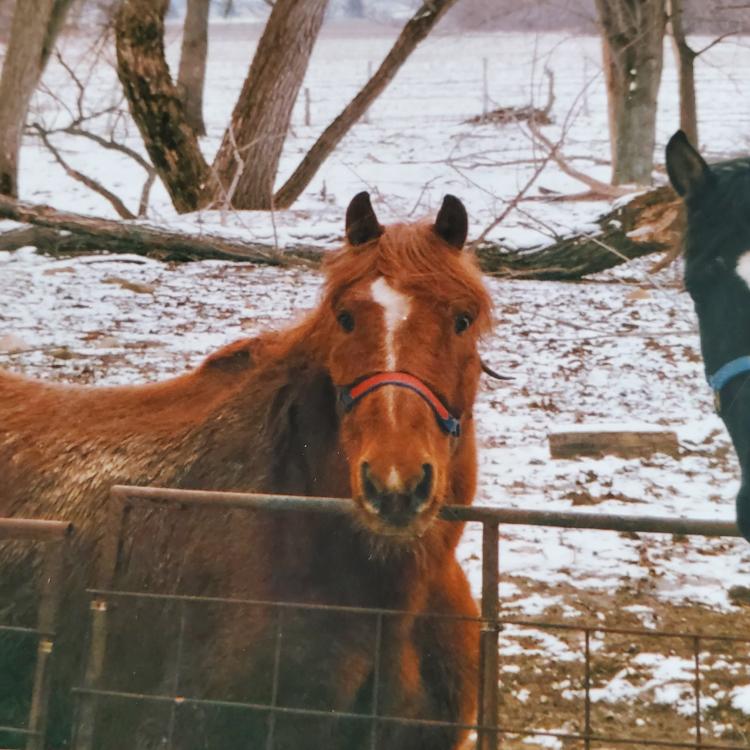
x=393 y=534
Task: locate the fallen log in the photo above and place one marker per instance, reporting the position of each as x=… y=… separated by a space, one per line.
x=595 y=441
x=61 y=231
x=649 y=223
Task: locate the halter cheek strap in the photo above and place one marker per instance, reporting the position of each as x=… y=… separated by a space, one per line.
x=724 y=374
x=349 y=395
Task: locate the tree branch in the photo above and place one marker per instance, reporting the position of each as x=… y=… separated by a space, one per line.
x=603 y=189
x=416 y=29
x=121 y=209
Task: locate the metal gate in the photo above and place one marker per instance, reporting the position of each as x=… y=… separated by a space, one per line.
x=53 y=535
x=490 y=727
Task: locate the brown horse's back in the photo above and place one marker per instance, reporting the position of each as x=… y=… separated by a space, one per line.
x=65 y=441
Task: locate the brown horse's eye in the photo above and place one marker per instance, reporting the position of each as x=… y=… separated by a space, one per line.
x=346 y=321
x=462 y=322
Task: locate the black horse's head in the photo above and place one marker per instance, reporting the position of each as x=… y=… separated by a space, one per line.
x=717 y=275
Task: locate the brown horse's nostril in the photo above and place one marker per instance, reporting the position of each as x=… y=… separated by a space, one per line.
x=397 y=508
x=423 y=489
x=368 y=486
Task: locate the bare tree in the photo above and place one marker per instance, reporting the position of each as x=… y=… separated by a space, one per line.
x=251 y=149
x=685 y=55
x=246 y=163
x=192 y=72
x=632 y=42
x=417 y=28
x=83 y=121
x=34 y=29
x=155 y=103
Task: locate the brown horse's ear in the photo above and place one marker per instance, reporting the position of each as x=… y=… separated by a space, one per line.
x=361 y=223
x=685 y=166
x=452 y=222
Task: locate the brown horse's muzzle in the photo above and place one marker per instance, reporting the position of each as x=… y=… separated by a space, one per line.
x=397 y=504
x=398 y=436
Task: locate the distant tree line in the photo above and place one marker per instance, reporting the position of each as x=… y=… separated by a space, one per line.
x=580 y=16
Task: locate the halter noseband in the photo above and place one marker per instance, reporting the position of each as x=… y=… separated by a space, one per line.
x=724 y=374
x=349 y=395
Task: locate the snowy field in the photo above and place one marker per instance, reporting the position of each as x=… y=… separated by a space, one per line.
x=621 y=348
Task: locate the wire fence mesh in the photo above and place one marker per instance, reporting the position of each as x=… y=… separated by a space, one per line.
x=25 y=690
x=587 y=727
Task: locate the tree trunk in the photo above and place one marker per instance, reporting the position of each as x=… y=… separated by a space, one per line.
x=34 y=29
x=418 y=27
x=54 y=27
x=6 y=16
x=248 y=159
x=155 y=102
x=192 y=72
x=686 y=72
x=632 y=39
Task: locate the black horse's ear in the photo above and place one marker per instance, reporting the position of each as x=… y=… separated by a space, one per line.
x=685 y=166
x=452 y=222
x=361 y=223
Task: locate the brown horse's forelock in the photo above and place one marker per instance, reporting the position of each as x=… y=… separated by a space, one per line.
x=413 y=256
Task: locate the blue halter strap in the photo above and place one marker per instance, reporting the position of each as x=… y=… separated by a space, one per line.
x=724 y=374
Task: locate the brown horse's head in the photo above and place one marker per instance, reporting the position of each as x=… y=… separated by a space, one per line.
x=402 y=312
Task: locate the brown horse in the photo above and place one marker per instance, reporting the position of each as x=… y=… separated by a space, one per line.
x=369 y=397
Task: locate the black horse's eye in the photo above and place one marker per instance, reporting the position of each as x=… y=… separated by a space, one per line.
x=462 y=322
x=346 y=321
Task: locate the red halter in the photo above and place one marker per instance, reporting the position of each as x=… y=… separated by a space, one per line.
x=349 y=395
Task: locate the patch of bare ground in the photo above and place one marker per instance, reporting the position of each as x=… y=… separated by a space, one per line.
x=642 y=674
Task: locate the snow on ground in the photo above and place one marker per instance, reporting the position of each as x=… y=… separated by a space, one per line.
x=414 y=146
x=621 y=348
x=586 y=352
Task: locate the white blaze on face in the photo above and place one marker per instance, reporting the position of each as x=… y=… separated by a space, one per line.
x=743 y=267
x=395 y=312
x=393 y=483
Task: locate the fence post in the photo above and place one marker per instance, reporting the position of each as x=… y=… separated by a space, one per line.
x=49 y=608
x=97 y=646
x=485 y=88
x=488 y=657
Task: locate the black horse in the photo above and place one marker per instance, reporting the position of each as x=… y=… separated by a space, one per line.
x=717 y=276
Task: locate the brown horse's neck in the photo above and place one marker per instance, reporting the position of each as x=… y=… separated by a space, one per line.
x=276 y=427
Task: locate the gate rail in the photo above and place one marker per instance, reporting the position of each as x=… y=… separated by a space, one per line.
x=54 y=535
x=488 y=727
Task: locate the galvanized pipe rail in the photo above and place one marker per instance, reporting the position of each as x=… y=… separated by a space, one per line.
x=54 y=535
x=488 y=726
x=33 y=529
x=479 y=513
